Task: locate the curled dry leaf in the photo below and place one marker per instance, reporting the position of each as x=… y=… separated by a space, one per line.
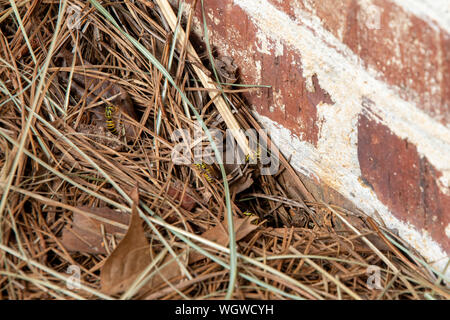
x=131 y=258
x=85 y=233
x=226 y=69
x=188 y=202
x=168 y=270
x=243 y=183
x=219 y=234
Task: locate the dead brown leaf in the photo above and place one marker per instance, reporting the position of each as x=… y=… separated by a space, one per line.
x=132 y=256
x=85 y=235
x=188 y=202
x=219 y=234
x=243 y=183
x=167 y=271
x=226 y=69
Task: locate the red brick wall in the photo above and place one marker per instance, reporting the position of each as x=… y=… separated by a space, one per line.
x=360 y=97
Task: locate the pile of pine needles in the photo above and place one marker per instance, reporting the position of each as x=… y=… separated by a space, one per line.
x=93 y=205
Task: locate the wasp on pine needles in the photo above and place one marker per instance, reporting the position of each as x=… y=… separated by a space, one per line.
x=251 y=214
x=110 y=124
x=206 y=170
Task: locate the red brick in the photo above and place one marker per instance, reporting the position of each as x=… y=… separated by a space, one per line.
x=419 y=48
x=403 y=180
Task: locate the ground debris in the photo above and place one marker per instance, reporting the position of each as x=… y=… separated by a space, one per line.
x=111 y=121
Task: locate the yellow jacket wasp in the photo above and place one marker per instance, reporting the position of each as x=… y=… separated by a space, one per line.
x=110 y=124
x=251 y=214
x=206 y=169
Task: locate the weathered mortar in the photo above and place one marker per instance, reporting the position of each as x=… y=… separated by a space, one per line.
x=360 y=104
